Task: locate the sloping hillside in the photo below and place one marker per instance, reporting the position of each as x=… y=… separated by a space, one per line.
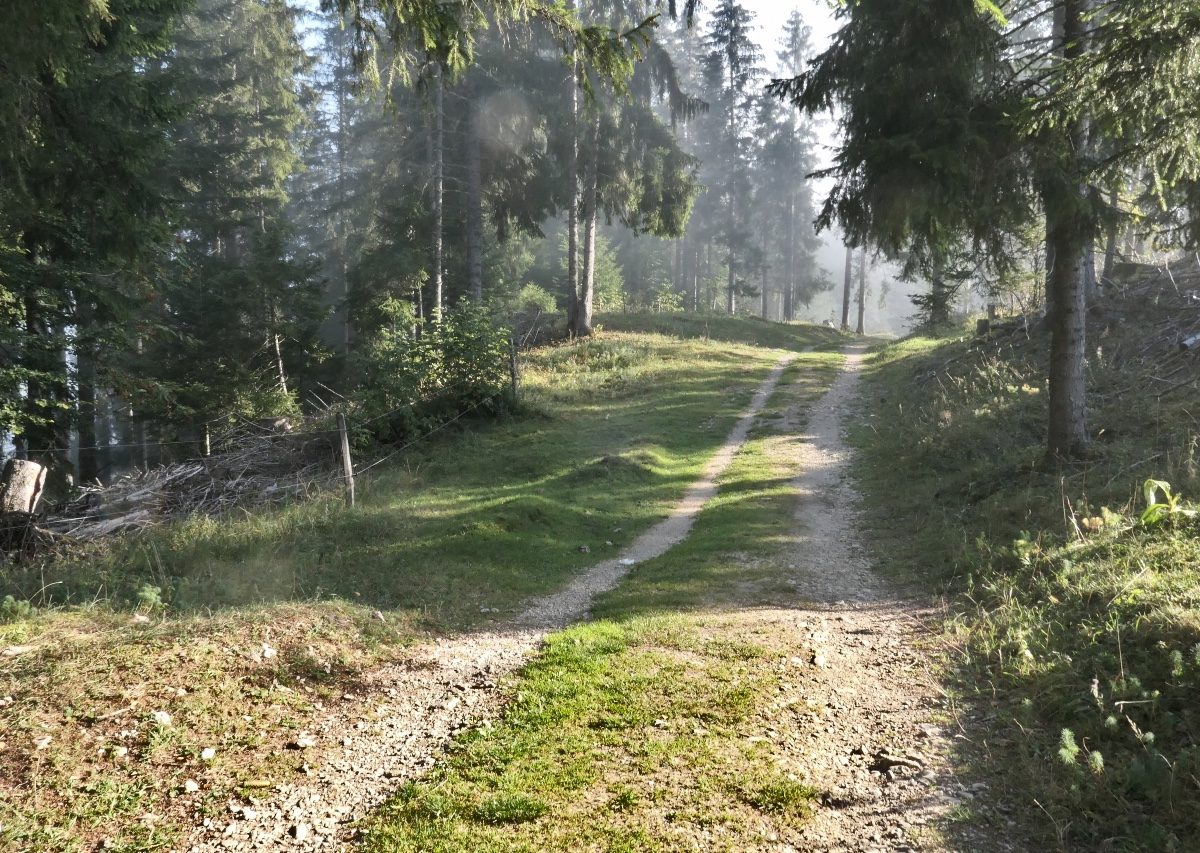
x=1076 y=618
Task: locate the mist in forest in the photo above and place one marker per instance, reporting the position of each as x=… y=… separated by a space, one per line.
x=305 y=194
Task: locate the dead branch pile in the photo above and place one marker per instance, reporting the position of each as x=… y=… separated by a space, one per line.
x=252 y=467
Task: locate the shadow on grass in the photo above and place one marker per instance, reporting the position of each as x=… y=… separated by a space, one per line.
x=1075 y=628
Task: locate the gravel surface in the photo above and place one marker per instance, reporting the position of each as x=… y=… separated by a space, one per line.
x=395 y=728
x=868 y=725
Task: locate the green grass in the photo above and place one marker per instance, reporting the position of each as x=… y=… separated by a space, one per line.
x=1076 y=627
x=482 y=519
x=637 y=731
x=446 y=535
x=722 y=327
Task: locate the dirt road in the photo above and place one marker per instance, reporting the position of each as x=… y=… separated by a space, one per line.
x=862 y=720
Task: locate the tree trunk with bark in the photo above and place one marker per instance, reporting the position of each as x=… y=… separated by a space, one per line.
x=573 y=204
x=474 y=198
x=695 y=274
x=766 y=301
x=21 y=485
x=731 y=283
x=439 y=177
x=862 y=293
x=846 y=288
x=1067 y=433
x=85 y=412
x=789 y=283
x=591 y=216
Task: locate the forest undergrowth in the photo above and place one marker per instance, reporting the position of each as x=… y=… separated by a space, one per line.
x=1074 y=611
x=185 y=663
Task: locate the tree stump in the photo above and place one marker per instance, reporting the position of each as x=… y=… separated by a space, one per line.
x=21 y=486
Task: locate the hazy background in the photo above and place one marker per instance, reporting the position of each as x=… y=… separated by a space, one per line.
x=888 y=305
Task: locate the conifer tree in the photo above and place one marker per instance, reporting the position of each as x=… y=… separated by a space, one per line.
x=999 y=114
x=241 y=304
x=82 y=115
x=732 y=73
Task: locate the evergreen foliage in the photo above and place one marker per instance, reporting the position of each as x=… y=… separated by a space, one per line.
x=963 y=122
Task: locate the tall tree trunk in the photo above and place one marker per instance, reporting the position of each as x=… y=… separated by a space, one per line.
x=591 y=216
x=281 y=371
x=789 y=284
x=474 y=198
x=573 y=204
x=342 y=291
x=846 y=287
x=439 y=178
x=731 y=284
x=693 y=261
x=862 y=292
x=677 y=271
x=1058 y=35
x=105 y=425
x=709 y=295
x=85 y=411
x=1067 y=433
x=766 y=307
x=939 y=297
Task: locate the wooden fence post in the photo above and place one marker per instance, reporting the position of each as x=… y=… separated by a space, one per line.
x=347 y=465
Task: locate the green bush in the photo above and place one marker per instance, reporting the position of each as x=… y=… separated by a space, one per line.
x=416 y=376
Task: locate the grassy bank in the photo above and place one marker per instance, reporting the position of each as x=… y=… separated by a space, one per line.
x=1077 y=625
x=227 y=635
x=647 y=728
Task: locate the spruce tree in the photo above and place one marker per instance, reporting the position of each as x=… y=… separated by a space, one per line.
x=732 y=73
x=241 y=306
x=83 y=109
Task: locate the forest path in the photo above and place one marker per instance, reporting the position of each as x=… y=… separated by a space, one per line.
x=864 y=723
x=859 y=715
x=408 y=712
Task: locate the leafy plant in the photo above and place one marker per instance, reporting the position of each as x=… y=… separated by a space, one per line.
x=14 y=610
x=1169 y=508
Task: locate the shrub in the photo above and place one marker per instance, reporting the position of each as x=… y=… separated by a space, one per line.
x=416 y=376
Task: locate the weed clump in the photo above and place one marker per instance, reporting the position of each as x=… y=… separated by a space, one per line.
x=780 y=795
